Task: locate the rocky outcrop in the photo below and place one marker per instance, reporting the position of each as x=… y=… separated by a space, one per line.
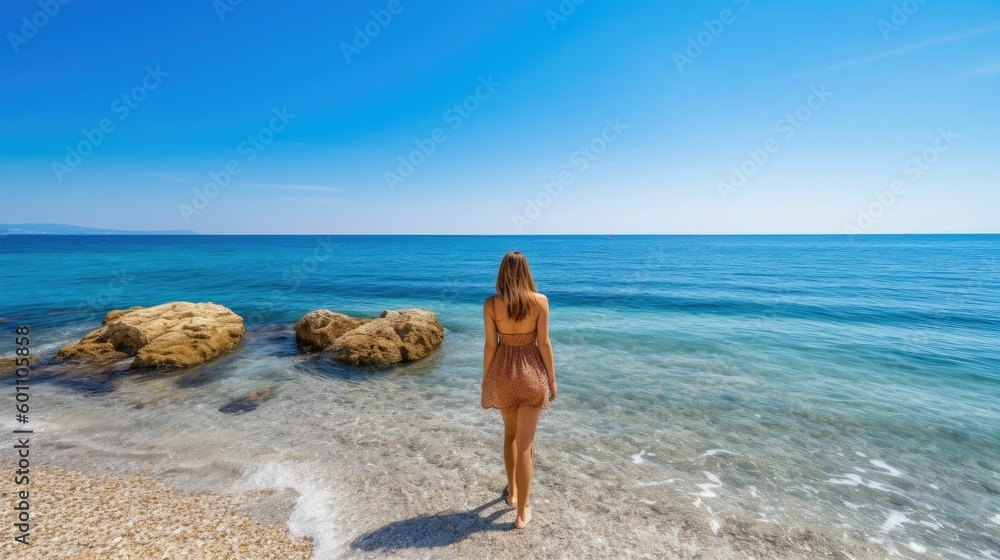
x=251 y=400
x=178 y=334
x=394 y=336
x=9 y=366
x=318 y=329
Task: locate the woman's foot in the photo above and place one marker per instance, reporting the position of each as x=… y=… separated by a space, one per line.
x=509 y=499
x=520 y=523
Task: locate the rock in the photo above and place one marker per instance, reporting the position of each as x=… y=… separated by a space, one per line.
x=318 y=329
x=178 y=334
x=8 y=366
x=250 y=401
x=373 y=343
x=394 y=336
x=116 y=313
x=418 y=329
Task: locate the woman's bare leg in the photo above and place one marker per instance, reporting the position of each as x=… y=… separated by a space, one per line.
x=509 y=459
x=527 y=421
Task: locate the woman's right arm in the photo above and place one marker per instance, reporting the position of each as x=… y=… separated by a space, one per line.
x=544 y=344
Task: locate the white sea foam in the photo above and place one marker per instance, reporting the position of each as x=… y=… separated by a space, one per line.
x=313 y=514
x=889 y=470
x=706 y=488
x=712 y=452
x=851 y=479
x=895 y=520
x=860 y=454
x=996 y=519
x=917 y=547
x=656 y=483
x=637 y=458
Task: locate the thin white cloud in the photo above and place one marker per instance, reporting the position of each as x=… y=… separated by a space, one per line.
x=917 y=46
x=316 y=199
x=293 y=187
x=987 y=70
x=168 y=177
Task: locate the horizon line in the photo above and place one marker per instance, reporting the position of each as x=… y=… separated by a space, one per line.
x=139 y=233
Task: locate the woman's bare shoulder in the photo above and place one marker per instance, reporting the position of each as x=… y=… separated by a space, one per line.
x=541 y=299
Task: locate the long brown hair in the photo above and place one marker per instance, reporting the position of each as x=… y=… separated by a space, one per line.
x=515 y=285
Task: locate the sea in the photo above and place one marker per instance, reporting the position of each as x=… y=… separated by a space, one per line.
x=719 y=396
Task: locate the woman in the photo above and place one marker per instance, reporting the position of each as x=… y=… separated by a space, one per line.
x=518 y=376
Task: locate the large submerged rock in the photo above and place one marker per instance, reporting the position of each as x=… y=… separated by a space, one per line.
x=10 y=365
x=318 y=329
x=178 y=334
x=394 y=336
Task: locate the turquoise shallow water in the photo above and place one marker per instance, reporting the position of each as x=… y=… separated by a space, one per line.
x=847 y=384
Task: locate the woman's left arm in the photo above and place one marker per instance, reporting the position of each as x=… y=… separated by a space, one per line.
x=491 y=337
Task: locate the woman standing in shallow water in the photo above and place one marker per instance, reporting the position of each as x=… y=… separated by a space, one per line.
x=518 y=375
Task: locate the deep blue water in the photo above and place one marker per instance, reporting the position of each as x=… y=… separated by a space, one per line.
x=860 y=374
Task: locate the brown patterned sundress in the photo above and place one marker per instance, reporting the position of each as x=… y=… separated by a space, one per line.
x=516 y=376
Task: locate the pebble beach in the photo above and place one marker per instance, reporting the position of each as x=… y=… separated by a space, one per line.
x=101 y=516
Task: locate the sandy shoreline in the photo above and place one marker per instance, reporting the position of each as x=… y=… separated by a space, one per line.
x=83 y=516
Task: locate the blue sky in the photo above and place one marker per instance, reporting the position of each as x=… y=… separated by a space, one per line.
x=725 y=116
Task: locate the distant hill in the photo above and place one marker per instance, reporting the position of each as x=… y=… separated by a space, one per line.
x=63 y=229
